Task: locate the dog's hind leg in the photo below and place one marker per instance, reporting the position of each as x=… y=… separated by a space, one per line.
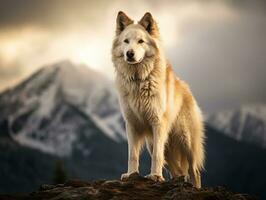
x=175 y=158
x=189 y=153
x=194 y=173
x=193 y=165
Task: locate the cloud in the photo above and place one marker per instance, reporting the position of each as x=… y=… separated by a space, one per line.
x=49 y=14
x=224 y=63
x=217 y=46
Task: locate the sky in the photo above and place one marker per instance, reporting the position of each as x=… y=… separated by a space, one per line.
x=218 y=47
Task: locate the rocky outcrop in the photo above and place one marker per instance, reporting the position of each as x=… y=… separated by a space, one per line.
x=135 y=188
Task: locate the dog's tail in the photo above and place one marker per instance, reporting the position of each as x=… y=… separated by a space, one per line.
x=199 y=153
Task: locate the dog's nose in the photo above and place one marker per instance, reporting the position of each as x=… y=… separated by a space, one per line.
x=130 y=54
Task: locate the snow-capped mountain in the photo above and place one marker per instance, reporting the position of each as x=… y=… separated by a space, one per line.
x=247 y=123
x=71 y=113
x=51 y=108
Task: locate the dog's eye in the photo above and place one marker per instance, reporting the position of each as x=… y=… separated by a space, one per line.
x=140 y=41
x=126 y=41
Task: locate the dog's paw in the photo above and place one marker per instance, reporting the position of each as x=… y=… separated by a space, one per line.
x=127 y=176
x=154 y=177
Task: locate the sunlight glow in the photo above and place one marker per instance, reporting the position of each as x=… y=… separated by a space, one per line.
x=90 y=53
x=91 y=45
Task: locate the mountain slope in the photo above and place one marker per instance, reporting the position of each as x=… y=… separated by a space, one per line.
x=238 y=165
x=22 y=168
x=35 y=112
x=64 y=112
x=94 y=155
x=71 y=113
x=247 y=123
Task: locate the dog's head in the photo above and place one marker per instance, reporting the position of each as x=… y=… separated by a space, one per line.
x=135 y=42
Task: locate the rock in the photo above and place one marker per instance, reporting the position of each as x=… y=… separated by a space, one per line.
x=135 y=187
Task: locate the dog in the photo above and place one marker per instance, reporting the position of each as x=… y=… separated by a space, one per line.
x=158 y=108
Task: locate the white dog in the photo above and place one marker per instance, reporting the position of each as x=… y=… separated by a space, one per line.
x=158 y=108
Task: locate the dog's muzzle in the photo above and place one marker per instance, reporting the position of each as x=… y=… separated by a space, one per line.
x=130 y=56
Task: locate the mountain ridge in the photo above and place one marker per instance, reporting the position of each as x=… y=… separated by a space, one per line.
x=29 y=105
x=51 y=108
x=247 y=123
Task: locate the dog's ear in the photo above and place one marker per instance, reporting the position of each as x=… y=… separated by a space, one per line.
x=122 y=21
x=149 y=24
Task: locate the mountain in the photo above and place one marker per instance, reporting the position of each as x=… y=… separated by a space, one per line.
x=59 y=112
x=62 y=112
x=70 y=113
x=238 y=165
x=42 y=111
x=247 y=123
x=23 y=168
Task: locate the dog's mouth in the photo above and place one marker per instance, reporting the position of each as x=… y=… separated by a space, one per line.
x=132 y=61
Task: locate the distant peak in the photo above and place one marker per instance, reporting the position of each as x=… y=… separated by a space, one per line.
x=60 y=65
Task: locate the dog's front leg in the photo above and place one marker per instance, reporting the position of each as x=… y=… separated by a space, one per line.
x=134 y=146
x=159 y=139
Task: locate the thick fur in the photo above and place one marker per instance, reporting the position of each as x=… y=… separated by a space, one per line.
x=158 y=108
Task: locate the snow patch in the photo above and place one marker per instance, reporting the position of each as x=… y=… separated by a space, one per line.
x=40 y=96
x=248 y=123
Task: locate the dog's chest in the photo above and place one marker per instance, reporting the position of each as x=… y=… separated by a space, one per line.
x=144 y=100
